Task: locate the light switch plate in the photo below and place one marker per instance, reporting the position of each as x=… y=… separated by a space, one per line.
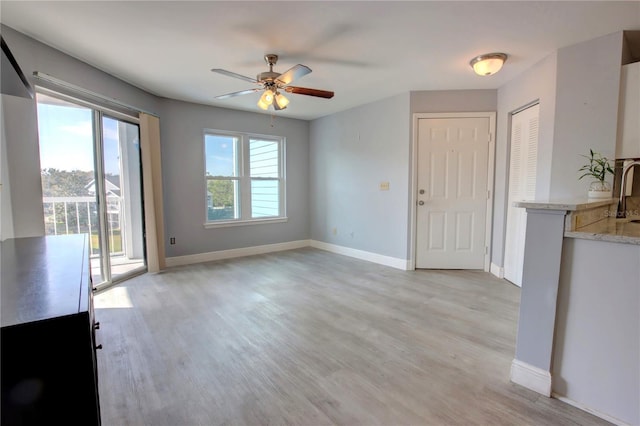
x=384 y=186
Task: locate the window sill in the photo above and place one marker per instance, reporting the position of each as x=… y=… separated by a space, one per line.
x=230 y=223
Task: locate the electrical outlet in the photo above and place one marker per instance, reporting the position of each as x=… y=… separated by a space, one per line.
x=384 y=186
x=334 y=231
x=172 y=240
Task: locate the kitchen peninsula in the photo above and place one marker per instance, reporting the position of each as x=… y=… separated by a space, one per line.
x=579 y=326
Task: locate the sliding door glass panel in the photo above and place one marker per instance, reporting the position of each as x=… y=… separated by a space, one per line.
x=67 y=170
x=91 y=183
x=123 y=197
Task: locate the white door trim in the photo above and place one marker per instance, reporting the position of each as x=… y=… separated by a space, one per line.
x=490 y=173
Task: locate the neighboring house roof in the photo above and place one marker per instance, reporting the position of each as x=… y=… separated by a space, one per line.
x=111 y=185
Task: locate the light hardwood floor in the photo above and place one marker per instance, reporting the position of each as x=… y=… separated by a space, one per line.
x=307 y=337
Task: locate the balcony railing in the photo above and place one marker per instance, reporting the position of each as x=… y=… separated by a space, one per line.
x=77 y=215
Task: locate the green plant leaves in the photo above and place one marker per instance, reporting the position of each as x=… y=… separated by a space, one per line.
x=598 y=166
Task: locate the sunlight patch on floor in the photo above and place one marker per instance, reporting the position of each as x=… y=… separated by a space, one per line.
x=113 y=298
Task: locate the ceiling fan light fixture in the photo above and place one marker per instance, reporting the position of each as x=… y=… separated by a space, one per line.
x=263 y=105
x=488 y=64
x=266 y=99
x=281 y=100
x=267 y=96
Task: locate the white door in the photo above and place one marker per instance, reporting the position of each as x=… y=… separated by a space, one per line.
x=522 y=187
x=453 y=162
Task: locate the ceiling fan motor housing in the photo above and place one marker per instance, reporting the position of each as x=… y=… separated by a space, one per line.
x=267 y=76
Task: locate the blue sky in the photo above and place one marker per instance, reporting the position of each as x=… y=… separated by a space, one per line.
x=220 y=155
x=66 y=139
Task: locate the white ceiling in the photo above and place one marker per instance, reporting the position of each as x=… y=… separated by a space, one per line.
x=363 y=51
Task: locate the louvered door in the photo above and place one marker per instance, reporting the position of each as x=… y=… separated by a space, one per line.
x=522 y=187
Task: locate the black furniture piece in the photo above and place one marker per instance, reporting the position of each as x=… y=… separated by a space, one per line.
x=49 y=369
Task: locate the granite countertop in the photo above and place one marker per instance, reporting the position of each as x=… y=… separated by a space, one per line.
x=566 y=205
x=611 y=229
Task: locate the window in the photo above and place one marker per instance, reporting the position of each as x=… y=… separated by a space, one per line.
x=244 y=177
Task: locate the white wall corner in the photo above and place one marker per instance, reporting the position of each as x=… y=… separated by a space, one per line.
x=496 y=270
x=394 y=262
x=531 y=377
x=239 y=252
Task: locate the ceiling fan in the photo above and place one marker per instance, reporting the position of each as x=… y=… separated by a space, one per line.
x=272 y=83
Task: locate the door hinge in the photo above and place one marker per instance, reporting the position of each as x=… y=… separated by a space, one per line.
x=488 y=194
x=486 y=249
x=489 y=137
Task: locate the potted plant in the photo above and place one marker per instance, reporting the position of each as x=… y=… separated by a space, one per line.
x=597 y=168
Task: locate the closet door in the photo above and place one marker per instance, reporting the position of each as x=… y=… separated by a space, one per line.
x=522 y=187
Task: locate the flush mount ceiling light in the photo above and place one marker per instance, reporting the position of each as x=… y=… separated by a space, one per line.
x=272 y=83
x=488 y=64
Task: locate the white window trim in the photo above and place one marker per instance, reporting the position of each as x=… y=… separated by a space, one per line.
x=244 y=180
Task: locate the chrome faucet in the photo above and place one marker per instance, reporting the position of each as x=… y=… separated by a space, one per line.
x=622 y=203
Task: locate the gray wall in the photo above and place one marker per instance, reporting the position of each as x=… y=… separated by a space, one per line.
x=588 y=84
x=20 y=141
x=6 y=212
x=182 y=139
x=537 y=83
x=597 y=344
x=351 y=153
x=578 y=89
x=32 y=56
x=454 y=101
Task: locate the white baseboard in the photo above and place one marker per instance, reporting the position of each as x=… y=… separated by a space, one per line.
x=393 y=262
x=531 y=377
x=270 y=248
x=240 y=252
x=496 y=270
x=583 y=407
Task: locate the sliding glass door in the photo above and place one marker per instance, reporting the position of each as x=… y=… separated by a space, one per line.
x=91 y=181
x=122 y=236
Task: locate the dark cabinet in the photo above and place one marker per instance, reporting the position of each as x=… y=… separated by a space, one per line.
x=48 y=347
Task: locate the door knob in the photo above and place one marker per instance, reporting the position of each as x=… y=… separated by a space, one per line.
x=421 y=203
x=421 y=191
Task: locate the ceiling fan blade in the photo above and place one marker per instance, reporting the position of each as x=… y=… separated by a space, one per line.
x=293 y=73
x=233 y=74
x=310 y=92
x=242 y=92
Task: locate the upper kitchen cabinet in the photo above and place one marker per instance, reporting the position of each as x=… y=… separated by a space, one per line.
x=628 y=136
x=628 y=143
